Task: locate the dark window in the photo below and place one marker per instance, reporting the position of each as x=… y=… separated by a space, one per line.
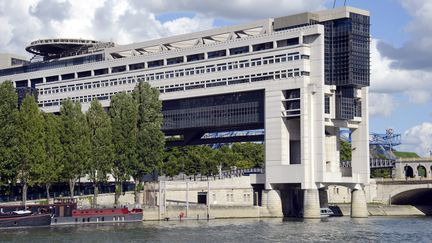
x=118 y=69
x=101 y=71
x=327 y=104
x=136 y=66
x=288 y=42
x=239 y=50
x=84 y=74
x=195 y=57
x=174 y=60
x=156 y=63
x=262 y=46
x=214 y=54
x=52 y=78
x=68 y=76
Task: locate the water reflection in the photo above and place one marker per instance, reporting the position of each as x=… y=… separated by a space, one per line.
x=342 y=229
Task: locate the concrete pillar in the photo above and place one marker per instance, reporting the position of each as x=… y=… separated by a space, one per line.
x=272 y=200
x=311 y=204
x=358 y=204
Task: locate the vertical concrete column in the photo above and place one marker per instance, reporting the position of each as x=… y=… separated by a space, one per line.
x=272 y=200
x=358 y=204
x=311 y=204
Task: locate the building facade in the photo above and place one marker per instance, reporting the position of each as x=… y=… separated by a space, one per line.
x=300 y=78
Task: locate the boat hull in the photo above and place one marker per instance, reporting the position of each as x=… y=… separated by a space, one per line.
x=25 y=221
x=123 y=218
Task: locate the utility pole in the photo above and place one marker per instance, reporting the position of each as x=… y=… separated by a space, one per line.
x=208 y=199
x=187 y=198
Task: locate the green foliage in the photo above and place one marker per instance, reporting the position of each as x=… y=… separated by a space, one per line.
x=381 y=173
x=194 y=160
x=31 y=141
x=172 y=166
x=123 y=115
x=150 y=139
x=405 y=154
x=252 y=152
x=421 y=171
x=75 y=137
x=345 y=151
x=228 y=158
x=244 y=164
x=50 y=169
x=8 y=136
x=102 y=149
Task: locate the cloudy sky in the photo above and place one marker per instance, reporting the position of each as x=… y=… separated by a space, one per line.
x=401 y=47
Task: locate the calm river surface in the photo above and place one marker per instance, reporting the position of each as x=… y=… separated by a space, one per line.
x=345 y=229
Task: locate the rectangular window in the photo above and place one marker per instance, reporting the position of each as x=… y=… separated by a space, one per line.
x=215 y=54
x=239 y=50
x=175 y=60
x=118 y=69
x=262 y=46
x=101 y=71
x=195 y=57
x=327 y=104
x=136 y=66
x=288 y=42
x=156 y=63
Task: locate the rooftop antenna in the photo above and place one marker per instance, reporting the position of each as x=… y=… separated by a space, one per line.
x=334 y=3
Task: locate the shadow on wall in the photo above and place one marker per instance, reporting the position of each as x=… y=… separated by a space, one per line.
x=419 y=198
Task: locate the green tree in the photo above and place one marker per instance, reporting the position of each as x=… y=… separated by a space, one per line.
x=244 y=164
x=123 y=113
x=208 y=165
x=345 y=151
x=150 y=139
x=252 y=152
x=8 y=142
x=227 y=158
x=192 y=161
x=102 y=149
x=49 y=170
x=75 y=138
x=31 y=140
x=172 y=166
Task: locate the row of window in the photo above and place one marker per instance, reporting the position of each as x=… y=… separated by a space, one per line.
x=188 y=86
x=178 y=73
x=234 y=80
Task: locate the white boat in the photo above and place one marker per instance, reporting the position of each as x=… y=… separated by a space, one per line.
x=326 y=212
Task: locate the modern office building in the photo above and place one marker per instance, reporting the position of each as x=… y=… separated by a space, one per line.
x=301 y=78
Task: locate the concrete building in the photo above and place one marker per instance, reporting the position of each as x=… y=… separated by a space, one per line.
x=300 y=78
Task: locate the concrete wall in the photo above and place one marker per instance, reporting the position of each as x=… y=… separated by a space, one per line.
x=386 y=210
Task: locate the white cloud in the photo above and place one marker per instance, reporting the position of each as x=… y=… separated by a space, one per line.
x=232 y=9
x=418 y=139
x=381 y=104
x=389 y=82
x=126 y=21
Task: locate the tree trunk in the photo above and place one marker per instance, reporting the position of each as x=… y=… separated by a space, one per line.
x=118 y=190
x=138 y=192
x=95 y=194
x=24 y=194
x=71 y=187
x=47 y=187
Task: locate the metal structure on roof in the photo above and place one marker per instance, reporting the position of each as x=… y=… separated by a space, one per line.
x=64 y=47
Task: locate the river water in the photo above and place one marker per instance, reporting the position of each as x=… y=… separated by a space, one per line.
x=344 y=229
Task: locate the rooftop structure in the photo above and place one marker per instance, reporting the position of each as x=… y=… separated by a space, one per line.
x=58 y=48
x=301 y=78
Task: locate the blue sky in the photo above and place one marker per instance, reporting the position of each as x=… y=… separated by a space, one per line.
x=401 y=43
